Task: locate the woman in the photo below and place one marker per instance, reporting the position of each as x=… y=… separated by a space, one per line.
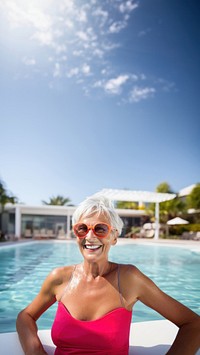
x=95 y=298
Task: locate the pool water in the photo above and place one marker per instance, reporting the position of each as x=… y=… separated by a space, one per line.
x=24 y=267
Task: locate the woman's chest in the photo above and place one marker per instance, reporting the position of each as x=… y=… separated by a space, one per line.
x=90 y=301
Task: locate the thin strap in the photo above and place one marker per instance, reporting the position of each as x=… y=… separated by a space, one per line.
x=118 y=278
x=68 y=283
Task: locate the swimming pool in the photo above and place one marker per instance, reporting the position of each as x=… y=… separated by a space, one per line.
x=23 y=268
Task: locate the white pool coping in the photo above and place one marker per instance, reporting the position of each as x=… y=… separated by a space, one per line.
x=186 y=244
x=146 y=338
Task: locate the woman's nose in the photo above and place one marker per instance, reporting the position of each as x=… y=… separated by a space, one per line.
x=90 y=235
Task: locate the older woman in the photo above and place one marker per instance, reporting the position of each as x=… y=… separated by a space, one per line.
x=95 y=298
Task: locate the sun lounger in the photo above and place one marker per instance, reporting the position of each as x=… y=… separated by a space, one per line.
x=28 y=233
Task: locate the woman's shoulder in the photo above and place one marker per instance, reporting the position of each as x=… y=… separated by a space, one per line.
x=130 y=272
x=133 y=283
x=128 y=268
x=60 y=274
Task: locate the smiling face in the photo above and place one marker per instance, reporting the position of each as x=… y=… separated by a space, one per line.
x=94 y=248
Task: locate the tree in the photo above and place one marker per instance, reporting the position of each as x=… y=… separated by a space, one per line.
x=171 y=208
x=127 y=205
x=164 y=187
x=5 y=197
x=193 y=199
x=57 y=201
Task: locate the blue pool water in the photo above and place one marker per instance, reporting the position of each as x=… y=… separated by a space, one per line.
x=24 y=267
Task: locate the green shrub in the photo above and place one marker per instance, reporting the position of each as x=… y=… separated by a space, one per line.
x=178 y=230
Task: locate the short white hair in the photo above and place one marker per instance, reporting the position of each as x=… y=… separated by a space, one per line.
x=101 y=205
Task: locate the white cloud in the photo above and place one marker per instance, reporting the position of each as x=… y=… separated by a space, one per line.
x=140 y=93
x=68 y=27
x=134 y=77
x=101 y=13
x=82 y=35
x=98 y=84
x=98 y=52
x=82 y=16
x=116 y=27
x=78 y=53
x=114 y=86
x=16 y=16
x=86 y=69
x=27 y=14
x=69 y=24
x=60 y=48
x=127 y=6
x=57 y=71
x=66 y=5
x=29 y=61
x=73 y=72
x=44 y=38
x=77 y=38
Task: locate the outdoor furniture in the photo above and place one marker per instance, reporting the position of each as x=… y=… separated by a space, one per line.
x=50 y=233
x=28 y=233
x=197 y=236
x=36 y=233
x=61 y=233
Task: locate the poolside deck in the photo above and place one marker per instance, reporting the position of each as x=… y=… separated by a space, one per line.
x=192 y=245
x=146 y=338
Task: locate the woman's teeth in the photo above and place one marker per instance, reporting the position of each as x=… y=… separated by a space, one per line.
x=92 y=247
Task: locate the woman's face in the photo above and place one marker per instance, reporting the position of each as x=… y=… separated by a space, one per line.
x=93 y=248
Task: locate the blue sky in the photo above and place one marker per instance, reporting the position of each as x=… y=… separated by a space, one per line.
x=98 y=94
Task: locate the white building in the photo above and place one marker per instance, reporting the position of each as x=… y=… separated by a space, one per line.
x=22 y=221
x=55 y=221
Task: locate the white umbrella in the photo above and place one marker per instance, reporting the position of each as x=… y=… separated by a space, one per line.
x=177 y=220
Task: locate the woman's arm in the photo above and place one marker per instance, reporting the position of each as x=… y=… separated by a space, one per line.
x=187 y=341
x=26 y=320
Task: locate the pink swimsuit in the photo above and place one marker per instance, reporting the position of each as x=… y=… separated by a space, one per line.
x=108 y=335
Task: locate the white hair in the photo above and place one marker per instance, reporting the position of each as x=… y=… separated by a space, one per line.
x=101 y=205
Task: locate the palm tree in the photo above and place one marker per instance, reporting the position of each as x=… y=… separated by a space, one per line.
x=168 y=209
x=5 y=197
x=57 y=201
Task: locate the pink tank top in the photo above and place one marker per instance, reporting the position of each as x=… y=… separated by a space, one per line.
x=108 y=335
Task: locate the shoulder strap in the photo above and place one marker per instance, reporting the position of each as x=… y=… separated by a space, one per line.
x=119 y=289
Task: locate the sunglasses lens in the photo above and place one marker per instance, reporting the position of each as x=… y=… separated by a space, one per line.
x=101 y=229
x=80 y=230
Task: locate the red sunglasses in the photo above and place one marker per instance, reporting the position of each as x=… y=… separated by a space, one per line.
x=101 y=230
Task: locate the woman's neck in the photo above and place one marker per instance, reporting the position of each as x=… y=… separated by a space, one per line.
x=93 y=270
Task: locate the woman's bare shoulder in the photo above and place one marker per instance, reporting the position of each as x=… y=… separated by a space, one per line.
x=130 y=270
x=132 y=276
x=59 y=275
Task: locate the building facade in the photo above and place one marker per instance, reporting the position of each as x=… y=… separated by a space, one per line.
x=21 y=221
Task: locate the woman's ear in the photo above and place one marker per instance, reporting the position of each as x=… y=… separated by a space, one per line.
x=115 y=237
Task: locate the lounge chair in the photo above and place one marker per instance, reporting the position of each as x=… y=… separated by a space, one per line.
x=28 y=233
x=50 y=233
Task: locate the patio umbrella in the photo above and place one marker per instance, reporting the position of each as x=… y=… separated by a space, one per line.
x=177 y=220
